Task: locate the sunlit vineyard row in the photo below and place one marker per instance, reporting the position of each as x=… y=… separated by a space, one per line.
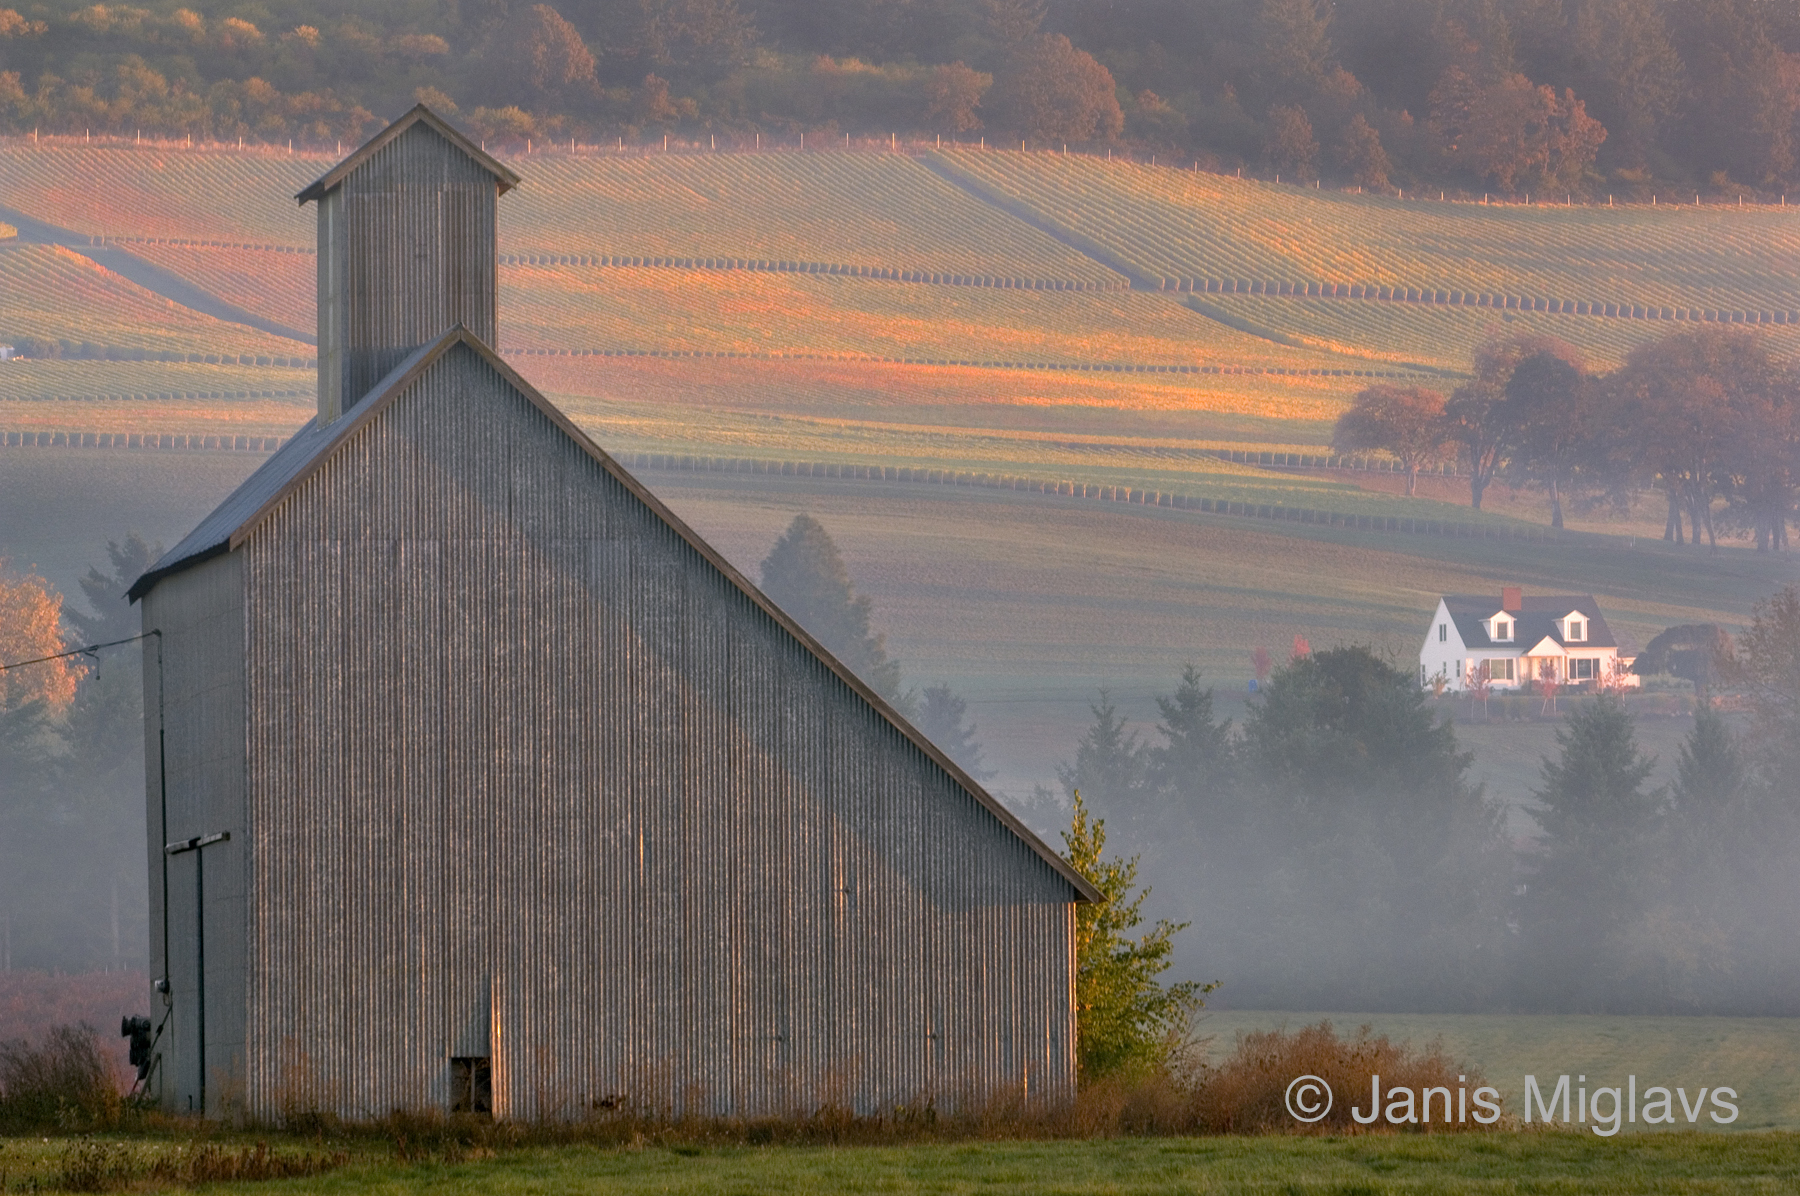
x=873 y=210
x=1184 y=225
x=63 y=382
x=161 y=191
x=1136 y=412
x=1443 y=337
x=54 y=293
x=870 y=210
x=606 y=308
x=277 y=286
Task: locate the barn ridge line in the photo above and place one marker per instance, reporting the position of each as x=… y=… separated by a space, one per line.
x=226 y=529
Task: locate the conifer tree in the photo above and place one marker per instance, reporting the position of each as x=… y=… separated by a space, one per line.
x=804 y=574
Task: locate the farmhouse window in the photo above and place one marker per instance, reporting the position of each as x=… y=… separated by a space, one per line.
x=1502 y=629
x=1443 y=632
x=1581 y=668
x=1577 y=629
x=472 y=1085
x=1500 y=669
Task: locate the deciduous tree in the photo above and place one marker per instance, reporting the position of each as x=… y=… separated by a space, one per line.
x=1126 y=1019
x=1405 y=421
x=31 y=628
x=1053 y=92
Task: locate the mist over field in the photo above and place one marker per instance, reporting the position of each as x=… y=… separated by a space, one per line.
x=1116 y=390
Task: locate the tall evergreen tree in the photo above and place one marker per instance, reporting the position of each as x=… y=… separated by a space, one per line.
x=804 y=574
x=1195 y=767
x=940 y=717
x=113 y=617
x=1111 y=764
x=1591 y=875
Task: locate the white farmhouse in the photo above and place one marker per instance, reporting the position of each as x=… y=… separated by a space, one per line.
x=1512 y=641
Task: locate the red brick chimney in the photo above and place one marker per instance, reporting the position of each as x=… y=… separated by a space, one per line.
x=1512 y=598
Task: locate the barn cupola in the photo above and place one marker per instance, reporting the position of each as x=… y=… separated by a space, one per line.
x=406 y=251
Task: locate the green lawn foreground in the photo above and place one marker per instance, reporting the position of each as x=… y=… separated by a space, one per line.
x=1537 y=1162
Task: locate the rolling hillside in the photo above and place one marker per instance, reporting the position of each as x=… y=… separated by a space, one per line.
x=1108 y=326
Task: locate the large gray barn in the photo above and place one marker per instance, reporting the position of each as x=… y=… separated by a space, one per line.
x=532 y=801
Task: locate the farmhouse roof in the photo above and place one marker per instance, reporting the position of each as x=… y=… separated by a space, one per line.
x=236 y=517
x=505 y=178
x=1536 y=620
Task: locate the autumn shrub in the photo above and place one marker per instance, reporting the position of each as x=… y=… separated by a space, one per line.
x=64 y=1082
x=1247 y=1092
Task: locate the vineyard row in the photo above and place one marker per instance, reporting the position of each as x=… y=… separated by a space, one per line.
x=141 y=440
x=104 y=239
x=1058 y=488
x=1205 y=286
x=793 y=267
x=1055 y=488
x=1567 y=307
x=1092 y=367
x=72 y=350
x=166 y=396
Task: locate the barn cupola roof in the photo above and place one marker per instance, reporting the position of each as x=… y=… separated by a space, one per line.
x=406 y=251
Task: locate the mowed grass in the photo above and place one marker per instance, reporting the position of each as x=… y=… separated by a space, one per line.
x=1183 y=225
x=1504 y=1162
x=1758 y=1057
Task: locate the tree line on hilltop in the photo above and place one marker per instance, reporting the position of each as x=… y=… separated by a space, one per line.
x=1709 y=418
x=1576 y=96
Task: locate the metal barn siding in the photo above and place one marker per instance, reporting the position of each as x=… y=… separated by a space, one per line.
x=201 y=614
x=406 y=251
x=531 y=778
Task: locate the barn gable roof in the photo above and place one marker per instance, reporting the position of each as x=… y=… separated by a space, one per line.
x=307 y=450
x=505 y=179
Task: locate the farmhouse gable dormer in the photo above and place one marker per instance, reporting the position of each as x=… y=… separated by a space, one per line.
x=1472 y=640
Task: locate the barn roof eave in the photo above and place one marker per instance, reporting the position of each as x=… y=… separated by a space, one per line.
x=505 y=179
x=266 y=488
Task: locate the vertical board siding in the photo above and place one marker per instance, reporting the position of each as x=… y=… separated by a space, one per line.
x=201 y=615
x=530 y=777
x=406 y=252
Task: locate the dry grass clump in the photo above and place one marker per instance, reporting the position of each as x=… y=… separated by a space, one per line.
x=86 y=1165
x=1247 y=1093
x=63 y=1082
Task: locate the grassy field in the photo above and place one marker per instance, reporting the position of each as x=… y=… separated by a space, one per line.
x=1183 y=225
x=1538 y=1162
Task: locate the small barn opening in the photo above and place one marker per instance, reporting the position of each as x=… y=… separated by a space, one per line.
x=472 y=1085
